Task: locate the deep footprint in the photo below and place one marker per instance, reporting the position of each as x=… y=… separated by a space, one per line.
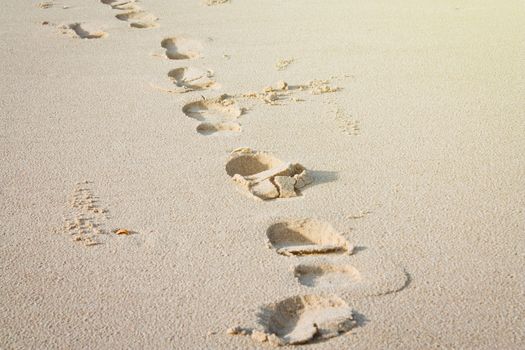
x=181 y=48
x=302 y=319
x=217 y=115
x=78 y=30
x=191 y=79
x=305 y=237
x=265 y=176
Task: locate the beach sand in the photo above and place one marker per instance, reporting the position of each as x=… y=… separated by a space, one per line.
x=242 y=174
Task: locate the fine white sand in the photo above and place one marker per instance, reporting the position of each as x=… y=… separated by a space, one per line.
x=407 y=114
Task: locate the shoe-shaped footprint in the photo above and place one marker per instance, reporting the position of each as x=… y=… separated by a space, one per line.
x=218 y=115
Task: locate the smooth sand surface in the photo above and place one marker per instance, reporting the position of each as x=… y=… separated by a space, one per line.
x=415 y=141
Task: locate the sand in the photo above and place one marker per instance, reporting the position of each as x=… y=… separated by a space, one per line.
x=123 y=227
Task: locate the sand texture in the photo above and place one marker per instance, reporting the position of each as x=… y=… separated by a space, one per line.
x=251 y=174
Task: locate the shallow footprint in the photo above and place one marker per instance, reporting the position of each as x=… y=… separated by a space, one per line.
x=121 y=5
x=306 y=237
x=181 y=48
x=212 y=128
x=327 y=275
x=82 y=31
x=265 y=176
x=367 y=275
x=139 y=19
x=215 y=2
x=305 y=318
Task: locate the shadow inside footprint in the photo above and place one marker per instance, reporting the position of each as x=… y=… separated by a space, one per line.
x=217 y=109
x=212 y=128
x=181 y=48
x=307 y=318
x=306 y=237
x=265 y=176
x=83 y=33
x=191 y=79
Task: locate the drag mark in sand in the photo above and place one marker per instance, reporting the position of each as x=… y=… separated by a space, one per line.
x=281 y=91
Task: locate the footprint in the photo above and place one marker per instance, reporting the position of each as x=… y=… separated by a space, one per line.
x=86 y=220
x=45 y=4
x=305 y=237
x=223 y=107
x=215 y=2
x=217 y=115
x=305 y=318
x=211 y=128
x=368 y=275
x=186 y=79
x=265 y=176
x=191 y=79
x=327 y=275
x=139 y=19
x=181 y=48
x=81 y=31
x=121 y=5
